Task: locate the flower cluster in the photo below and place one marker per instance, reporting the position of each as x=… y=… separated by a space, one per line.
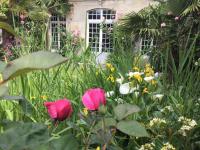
x=168 y=146
x=148 y=146
x=111 y=69
x=60 y=110
x=157 y=122
x=188 y=124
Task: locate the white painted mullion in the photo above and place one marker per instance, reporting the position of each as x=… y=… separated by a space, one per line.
x=100 y=33
x=58 y=30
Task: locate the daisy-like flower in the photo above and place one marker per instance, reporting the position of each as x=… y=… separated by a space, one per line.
x=156 y=122
x=110 y=93
x=147 y=146
x=168 y=146
x=158 y=97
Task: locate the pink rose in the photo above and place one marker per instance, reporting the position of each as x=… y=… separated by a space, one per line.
x=93 y=98
x=59 y=110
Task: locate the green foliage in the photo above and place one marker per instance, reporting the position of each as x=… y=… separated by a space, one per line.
x=124 y=110
x=132 y=128
x=39 y=60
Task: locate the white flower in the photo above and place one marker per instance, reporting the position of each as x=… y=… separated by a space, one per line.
x=163 y=24
x=168 y=146
x=126 y=88
x=167 y=108
x=147 y=146
x=110 y=93
x=156 y=122
x=157 y=96
x=119 y=100
x=156 y=75
x=131 y=74
x=148 y=79
x=136 y=94
x=196 y=63
x=120 y=80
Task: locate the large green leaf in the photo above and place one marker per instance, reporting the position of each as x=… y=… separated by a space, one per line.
x=2 y=66
x=66 y=142
x=123 y=110
x=132 y=128
x=108 y=123
x=7 y=27
x=34 y=61
x=3 y=90
x=24 y=136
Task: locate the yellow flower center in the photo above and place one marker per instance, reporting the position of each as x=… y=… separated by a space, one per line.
x=138 y=77
x=85 y=111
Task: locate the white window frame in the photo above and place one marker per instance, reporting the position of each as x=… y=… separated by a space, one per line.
x=98 y=21
x=58 y=22
x=1 y=36
x=148 y=46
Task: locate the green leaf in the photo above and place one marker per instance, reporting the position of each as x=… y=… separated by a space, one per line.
x=23 y=102
x=108 y=122
x=24 y=136
x=123 y=110
x=66 y=142
x=2 y=66
x=34 y=61
x=3 y=90
x=7 y=27
x=132 y=128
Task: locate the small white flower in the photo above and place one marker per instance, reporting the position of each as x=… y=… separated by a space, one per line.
x=119 y=100
x=120 y=80
x=131 y=74
x=156 y=75
x=148 y=79
x=157 y=96
x=136 y=94
x=126 y=88
x=110 y=93
x=196 y=63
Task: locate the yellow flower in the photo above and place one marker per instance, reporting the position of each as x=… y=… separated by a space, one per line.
x=32 y=97
x=153 y=82
x=148 y=70
x=109 y=65
x=98 y=148
x=145 y=91
x=112 y=69
x=136 y=69
x=44 y=97
x=111 y=78
x=138 y=77
x=85 y=111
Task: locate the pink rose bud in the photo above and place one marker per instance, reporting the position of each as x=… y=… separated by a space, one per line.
x=176 y=18
x=163 y=25
x=59 y=110
x=93 y=98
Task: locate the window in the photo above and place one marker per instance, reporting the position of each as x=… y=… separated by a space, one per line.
x=1 y=36
x=147 y=43
x=57 y=30
x=99 y=29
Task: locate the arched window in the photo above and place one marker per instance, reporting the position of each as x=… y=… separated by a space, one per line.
x=99 y=29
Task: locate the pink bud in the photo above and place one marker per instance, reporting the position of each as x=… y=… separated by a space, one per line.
x=93 y=98
x=176 y=18
x=59 y=110
x=163 y=24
